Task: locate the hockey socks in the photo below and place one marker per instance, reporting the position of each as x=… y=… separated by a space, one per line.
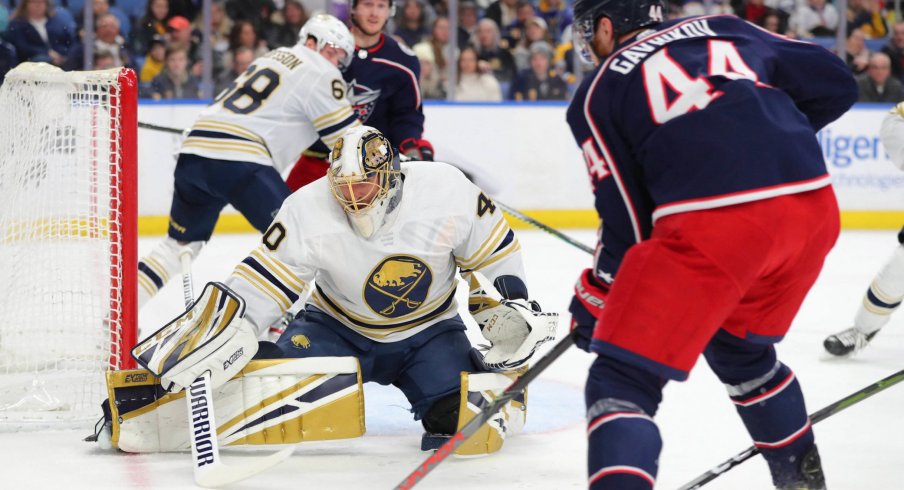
x=768 y=398
x=883 y=296
x=624 y=441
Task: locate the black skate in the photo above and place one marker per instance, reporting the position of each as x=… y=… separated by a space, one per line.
x=811 y=476
x=847 y=342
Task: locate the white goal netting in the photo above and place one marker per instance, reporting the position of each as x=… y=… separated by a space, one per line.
x=64 y=229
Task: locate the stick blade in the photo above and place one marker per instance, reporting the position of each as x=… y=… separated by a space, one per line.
x=219 y=474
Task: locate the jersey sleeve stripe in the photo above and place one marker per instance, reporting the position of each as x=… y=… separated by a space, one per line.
x=250 y=276
x=498 y=234
x=157 y=268
x=414 y=82
x=416 y=317
x=332 y=117
x=262 y=271
x=496 y=257
x=279 y=269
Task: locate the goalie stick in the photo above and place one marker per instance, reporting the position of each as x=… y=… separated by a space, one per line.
x=209 y=469
x=487 y=413
x=816 y=417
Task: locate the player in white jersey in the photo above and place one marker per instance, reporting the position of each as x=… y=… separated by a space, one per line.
x=255 y=129
x=886 y=291
x=383 y=242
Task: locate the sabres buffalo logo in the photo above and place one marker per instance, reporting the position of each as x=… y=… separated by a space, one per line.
x=398 y=286
x=301 y=341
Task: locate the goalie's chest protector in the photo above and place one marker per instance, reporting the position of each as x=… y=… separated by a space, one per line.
x=403 y=279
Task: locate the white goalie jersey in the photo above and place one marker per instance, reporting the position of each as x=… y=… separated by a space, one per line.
x=393 y=285
x=286 y=100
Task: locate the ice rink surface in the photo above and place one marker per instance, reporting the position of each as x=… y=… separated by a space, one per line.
x=862 y=447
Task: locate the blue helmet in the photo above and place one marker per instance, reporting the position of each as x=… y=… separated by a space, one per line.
x=626 y=16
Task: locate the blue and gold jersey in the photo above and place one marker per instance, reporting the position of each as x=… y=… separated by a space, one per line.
x=393 y=285
x=700 y=113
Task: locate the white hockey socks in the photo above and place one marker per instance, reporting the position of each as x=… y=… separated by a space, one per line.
x=883 y=296
x=162 y=264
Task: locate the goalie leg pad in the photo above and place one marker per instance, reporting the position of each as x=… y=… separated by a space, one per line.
x=477 y=391
x=282 y=401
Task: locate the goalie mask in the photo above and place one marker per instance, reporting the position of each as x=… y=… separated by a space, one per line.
x=364 y=178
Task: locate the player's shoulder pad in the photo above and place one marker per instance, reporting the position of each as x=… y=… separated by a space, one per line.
x=400 y=53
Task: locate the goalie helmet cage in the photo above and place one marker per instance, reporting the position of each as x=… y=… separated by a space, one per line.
x=68 y=242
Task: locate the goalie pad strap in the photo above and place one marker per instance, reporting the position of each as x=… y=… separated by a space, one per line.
x=282 y=401
x=479 y=390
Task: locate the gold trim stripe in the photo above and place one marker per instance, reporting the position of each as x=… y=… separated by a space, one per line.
x=158 y=268
x=426 y=307
x=489 y=245
x=251 y=276
x=509 y=249
x=331 y=118
x=228 y=128
x=279 y=269
x=264 y=404
x=221 y=145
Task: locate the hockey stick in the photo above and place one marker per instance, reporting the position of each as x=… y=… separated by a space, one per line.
x=486 y=414
x=548 y=229
x=816 y=417
x=144 y=125
x=209 y=469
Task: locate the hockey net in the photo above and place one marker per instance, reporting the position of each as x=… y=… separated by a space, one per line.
x=68 y=197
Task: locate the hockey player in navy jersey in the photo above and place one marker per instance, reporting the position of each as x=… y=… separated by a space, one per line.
x=383 y=88
x=716 y=215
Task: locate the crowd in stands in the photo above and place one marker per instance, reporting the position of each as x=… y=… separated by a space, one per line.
x=503 y=49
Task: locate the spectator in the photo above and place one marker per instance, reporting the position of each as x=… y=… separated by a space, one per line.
x=772 y=22
x=38 y=34
x=181 y=35
x=877 y=85
x=101 y=8
x=293 y=16
x=8 y=58
x=515 y=32
x=220 y=27
x=104 y=60
x=467 y=22
x=489 y=50
x=153 y=60
x=814 y=18
x=4 y=17
x=502 y=12
x=241 y=60
x=438 y=47
x=108 y=38
x=175 y=81
x=430 y=82
x=152 y=24
x=856 y=53
x=867 y=16
x=894 y=48
x=539 y=82
x=558 y=15
x=535 y=31
x=412 y=21
x=255 y=11
x=697 y=7
x=475 y=82
x=244 y=34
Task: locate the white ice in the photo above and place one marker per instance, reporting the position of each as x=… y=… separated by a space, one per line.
x=862 y=447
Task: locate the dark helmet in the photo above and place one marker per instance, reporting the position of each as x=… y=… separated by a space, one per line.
x=626 y=16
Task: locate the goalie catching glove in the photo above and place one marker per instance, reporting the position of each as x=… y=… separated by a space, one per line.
x=514 y=327
x=212 y=335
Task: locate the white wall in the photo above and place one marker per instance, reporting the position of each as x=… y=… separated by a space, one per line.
x=524 y=155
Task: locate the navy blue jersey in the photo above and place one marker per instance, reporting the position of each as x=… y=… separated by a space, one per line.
x=384 y=90
x=700 y=113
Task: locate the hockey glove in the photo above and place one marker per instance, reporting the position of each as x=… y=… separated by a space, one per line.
x=211 y=336
x=417 y=149
x=586 y=307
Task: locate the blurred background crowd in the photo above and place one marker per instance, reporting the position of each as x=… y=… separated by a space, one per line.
x=502 y=49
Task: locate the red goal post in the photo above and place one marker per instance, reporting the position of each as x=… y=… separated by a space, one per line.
x=68 y=241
